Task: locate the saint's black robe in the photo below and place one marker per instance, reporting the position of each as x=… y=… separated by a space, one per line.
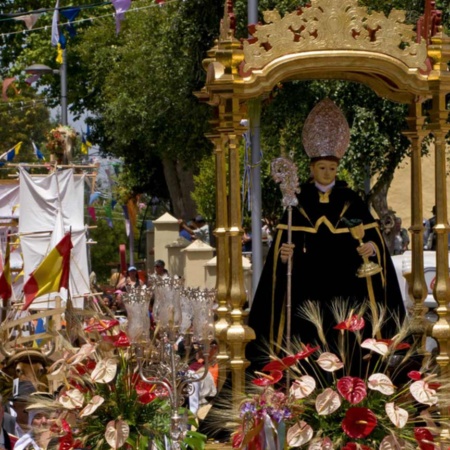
x=324 y=268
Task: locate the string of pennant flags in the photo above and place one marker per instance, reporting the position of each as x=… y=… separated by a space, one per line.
x=10 y=154
x=71 y=13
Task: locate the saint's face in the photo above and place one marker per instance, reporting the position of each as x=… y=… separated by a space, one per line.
x=324 y=171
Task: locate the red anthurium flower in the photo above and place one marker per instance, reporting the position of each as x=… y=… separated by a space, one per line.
x=354 y=323
x=268 y=379
x=146 y=398
x=281 y=364
x=119 y=340
x=65 y=426
x=415 y=375
x=306 y=352
x=359 y=422
x=434 y=385
x=353 y=389
x=102 y=325
x=424 y=438
x=238 y=438
x=354 y=446
x=399 y=346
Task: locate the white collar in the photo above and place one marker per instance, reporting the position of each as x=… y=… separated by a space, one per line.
x=323 y=188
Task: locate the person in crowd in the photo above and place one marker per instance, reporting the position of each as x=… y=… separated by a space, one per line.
x=118 y=306
x=325 y=255
x=38 y=435
x=8 y=436
x=132 y=280
x=430 y=243
x=202 y=229
x=401 y=239
x=186 y=230
x=247 y=240
x=160 y=268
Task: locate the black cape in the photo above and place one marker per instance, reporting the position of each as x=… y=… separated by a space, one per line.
x=324 y=268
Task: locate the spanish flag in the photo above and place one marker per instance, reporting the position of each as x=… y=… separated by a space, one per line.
x=5 y=277
x=52 y=274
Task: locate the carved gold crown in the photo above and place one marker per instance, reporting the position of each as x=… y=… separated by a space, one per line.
x=326 y=131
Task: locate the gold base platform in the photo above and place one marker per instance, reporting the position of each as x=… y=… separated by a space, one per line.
x=218 y=446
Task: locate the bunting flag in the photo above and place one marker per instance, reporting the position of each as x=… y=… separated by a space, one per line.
x=29 y=19
x=127 y=219
x=55 y=23
x=5 y=277
x=85 y=143
x=121 y=7
x=39 y=329
x=71 y=14
x=37 y=152
x=91 y=211
x=94 y=196
x=7 y=83
x=108 y=211
x=52 y=274
x=10 y=154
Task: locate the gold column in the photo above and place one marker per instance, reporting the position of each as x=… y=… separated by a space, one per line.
x=238 y=334
x=439 y=82
x=222 y=251
x=417 y=287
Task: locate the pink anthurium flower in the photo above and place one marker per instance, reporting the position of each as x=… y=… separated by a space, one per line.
x=382 y=383
x=422 y=392
x=376 y=346
x=328 y=402
x=299 y=434
x=353 y=323
x=397 y=415
x=329 y=362
x=302 y=387
x=353 y=389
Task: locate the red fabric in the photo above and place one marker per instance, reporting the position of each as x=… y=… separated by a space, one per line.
x=13 y=440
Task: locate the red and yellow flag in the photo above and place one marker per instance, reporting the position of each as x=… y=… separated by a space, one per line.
x=5 y=277
x=52 y=274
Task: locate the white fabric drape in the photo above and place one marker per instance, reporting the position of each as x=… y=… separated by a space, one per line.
x=52 y=206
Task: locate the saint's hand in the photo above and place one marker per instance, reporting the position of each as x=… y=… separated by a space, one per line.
x=366 y=249
x=286 y=251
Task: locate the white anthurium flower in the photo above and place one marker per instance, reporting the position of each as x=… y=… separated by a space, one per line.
x=302 y=387
x=84 y=351
x=329 y=362
x=398 y=416
x=422 y=392
x=72 y=399
x=321 y=444
x=378 y=347
x=299 y=434
x=104 y=371
x=392 y=442
x=327 y=402
x=95 y=402
x=381 y=382
x=117 y=432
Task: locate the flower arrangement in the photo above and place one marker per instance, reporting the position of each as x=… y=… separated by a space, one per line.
x=325 y=407
x=58 y=137
x=103 y=402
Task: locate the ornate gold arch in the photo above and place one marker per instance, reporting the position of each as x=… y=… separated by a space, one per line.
x=329 y=39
